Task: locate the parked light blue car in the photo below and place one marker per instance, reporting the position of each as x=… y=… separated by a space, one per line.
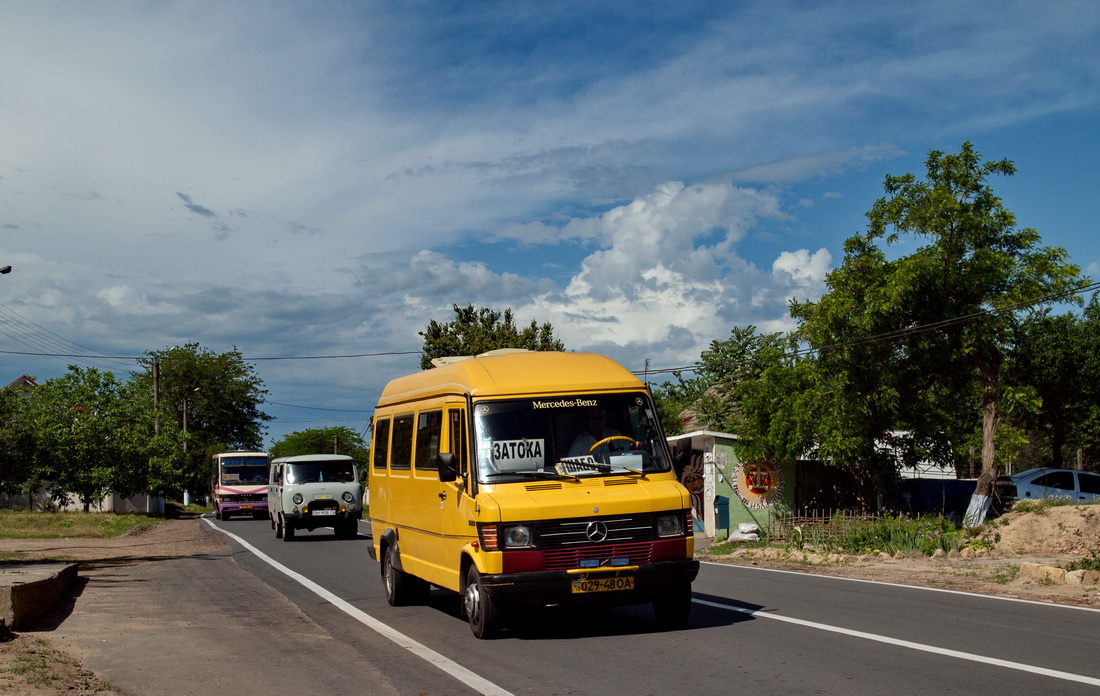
x=1036 y=484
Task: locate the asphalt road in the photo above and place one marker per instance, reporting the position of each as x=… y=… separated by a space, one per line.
x=309 y=616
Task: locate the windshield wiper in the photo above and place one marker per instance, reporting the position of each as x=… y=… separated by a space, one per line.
x=531 y=474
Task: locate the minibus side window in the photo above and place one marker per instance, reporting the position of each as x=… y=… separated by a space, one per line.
x=401 y=450
x=429 y=430
x=458 y=438
x=381 y=447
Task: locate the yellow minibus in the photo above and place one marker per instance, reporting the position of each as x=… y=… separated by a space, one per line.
x=528 y=477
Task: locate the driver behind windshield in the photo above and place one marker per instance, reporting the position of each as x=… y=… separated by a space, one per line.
x=595 y=429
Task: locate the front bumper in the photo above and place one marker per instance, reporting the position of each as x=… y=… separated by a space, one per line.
x=309 y=519
x=243 y=508
x=555 y=586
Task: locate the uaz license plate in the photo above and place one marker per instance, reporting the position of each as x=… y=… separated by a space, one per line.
x=324 y=512
x=602 y=584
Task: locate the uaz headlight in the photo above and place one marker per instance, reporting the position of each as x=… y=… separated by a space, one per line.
x=297 y=499
x=348 y=497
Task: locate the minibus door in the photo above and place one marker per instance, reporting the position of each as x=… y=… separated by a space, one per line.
x=455 y=503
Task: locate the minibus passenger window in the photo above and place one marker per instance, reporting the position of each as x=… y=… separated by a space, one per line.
x=429 y=429
x=401 y=457
x=381 y=447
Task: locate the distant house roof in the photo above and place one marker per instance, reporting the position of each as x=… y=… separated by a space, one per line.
x=23 y=381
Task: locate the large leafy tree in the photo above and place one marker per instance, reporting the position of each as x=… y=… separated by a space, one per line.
x=908 y=341
x=87 y=434
x=476 y=330
x=214 y=398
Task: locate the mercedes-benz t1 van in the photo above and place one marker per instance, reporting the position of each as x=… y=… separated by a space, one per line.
x=524 y=477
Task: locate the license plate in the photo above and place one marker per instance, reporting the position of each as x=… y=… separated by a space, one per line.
x=602 y=584
x=320 y=513
x=246 y=507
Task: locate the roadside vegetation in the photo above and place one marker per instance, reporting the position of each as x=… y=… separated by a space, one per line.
x=893 y=532
x=887 y=533
x=19 y=524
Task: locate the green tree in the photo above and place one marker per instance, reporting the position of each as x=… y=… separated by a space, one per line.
x=17 y=476
x=1057 y=356
x=214 y=398
x=906 y=341
x=87 y=434
x=477 y=330
x=333 y=440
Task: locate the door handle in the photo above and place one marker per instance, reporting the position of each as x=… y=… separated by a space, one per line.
x=443 y=495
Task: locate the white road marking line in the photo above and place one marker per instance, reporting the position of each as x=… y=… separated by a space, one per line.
x=470 y=679
x=756 y=613
x=999 y=598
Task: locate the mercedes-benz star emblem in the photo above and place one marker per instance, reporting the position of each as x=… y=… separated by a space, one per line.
x=596 y=532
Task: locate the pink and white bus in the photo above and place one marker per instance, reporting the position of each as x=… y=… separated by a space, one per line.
x=239 y=484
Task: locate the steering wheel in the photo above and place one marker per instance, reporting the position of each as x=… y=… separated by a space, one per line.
x=609 y=439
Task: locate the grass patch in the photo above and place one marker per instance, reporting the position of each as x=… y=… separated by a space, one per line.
x=1041 y=505
x=724 y=547
x=1091 y=562
x=1006 y=574
x=68 y=525
x=34 y=662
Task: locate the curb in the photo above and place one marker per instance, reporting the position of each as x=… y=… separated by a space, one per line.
x=28 y=590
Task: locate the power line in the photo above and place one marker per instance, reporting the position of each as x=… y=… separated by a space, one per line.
x=320 y=408
x=908 y=331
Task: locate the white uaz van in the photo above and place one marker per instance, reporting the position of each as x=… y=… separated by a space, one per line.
x=314 y=490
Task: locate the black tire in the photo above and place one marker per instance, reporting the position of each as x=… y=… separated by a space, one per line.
x=673 y=608
x=401 y=588
x=217 y=513
x=278 y=525
x=480 y=609
x=288 y=531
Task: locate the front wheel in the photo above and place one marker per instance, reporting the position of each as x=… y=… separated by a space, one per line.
x=479 y=607
x=288 y=531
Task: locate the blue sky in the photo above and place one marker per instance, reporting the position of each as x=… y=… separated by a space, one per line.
x=322 y=179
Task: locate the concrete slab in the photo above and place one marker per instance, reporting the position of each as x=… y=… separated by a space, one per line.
x=28 y=590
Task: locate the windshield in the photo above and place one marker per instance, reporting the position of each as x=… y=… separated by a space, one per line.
x=320 y=472
x=568 y=436
x=244 y=470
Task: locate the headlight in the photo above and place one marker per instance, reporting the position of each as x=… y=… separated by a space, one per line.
x=348 y=497
x=518 y=537
x=297 y=498
x=670 y=525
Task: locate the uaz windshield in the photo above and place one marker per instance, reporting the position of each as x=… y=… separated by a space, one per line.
x=319 y=472
x=568 y=437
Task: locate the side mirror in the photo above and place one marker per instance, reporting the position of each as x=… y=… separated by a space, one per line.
x=448 y=469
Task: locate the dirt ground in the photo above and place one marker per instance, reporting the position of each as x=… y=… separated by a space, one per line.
x=1054 y=537
x=38 y=665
